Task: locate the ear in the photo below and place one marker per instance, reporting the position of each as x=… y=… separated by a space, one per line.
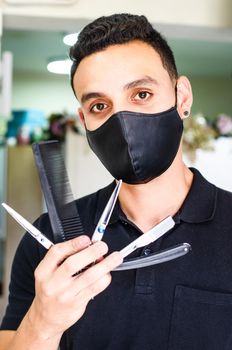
x=81 y=116
x=184 y=96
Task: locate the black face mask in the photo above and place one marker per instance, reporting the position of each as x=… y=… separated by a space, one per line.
x=137 y=147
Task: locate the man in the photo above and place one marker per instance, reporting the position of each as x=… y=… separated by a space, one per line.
x=132 y=106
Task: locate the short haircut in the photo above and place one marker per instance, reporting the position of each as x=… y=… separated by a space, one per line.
x=120 y=29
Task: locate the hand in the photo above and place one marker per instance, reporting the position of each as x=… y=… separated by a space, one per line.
x=61 y=294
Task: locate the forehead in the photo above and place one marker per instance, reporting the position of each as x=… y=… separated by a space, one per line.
x=118 y=64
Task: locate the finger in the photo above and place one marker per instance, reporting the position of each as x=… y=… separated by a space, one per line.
x=93 y=290
x=87 y=281
x=80 y=260
x=88 y=278
x=81 y=298
x=80 y=301
x=60 y=251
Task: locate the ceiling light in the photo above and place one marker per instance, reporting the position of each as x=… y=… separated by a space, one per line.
x=70 y=39
x=60 y=66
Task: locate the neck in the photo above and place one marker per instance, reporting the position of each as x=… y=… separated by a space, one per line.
x=148 y=204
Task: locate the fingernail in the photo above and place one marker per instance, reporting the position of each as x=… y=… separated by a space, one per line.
x=84 y=240
x=102 y=247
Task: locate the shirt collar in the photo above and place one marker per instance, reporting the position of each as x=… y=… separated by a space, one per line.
x=199 y=205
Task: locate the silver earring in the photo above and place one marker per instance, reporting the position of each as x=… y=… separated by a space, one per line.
x=186 y=113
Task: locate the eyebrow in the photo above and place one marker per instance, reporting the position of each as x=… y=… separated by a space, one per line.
x=147 y=80
x=88 y=96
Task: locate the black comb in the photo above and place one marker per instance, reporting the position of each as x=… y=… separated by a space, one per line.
x=62 y=209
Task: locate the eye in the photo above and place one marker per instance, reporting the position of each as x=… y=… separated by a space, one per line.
x=142 y=95
x=98 y=107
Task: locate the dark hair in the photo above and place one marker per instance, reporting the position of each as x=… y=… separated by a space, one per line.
x=119 y=29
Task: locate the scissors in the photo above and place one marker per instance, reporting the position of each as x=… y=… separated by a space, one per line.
x=145 y=239
x=98 y=232
x=106 y=214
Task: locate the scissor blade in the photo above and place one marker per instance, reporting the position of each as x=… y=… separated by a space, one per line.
x=28 y=227
x=105 y=217
x=110 y=205
x=149 y=237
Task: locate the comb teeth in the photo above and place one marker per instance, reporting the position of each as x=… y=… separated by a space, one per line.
x=62 y=209
x=70 y=227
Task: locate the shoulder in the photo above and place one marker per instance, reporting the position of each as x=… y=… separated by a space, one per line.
x=224 y=202
x=89 y=206
x=92 y=199
x=88 y=201
x=224 y=195
x=222 y=218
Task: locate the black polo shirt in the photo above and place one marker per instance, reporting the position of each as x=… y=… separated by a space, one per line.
x=183 y=304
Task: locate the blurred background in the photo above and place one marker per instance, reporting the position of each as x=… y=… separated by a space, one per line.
x=37 y=104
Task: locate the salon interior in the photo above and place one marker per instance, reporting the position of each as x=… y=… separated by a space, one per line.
x=37 y=102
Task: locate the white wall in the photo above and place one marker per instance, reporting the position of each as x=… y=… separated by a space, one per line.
x=86 y=172
x=213 y=13
x=216 y=165
x=49 y=92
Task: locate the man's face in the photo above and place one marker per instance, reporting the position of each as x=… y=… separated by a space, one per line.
x=122 y=77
